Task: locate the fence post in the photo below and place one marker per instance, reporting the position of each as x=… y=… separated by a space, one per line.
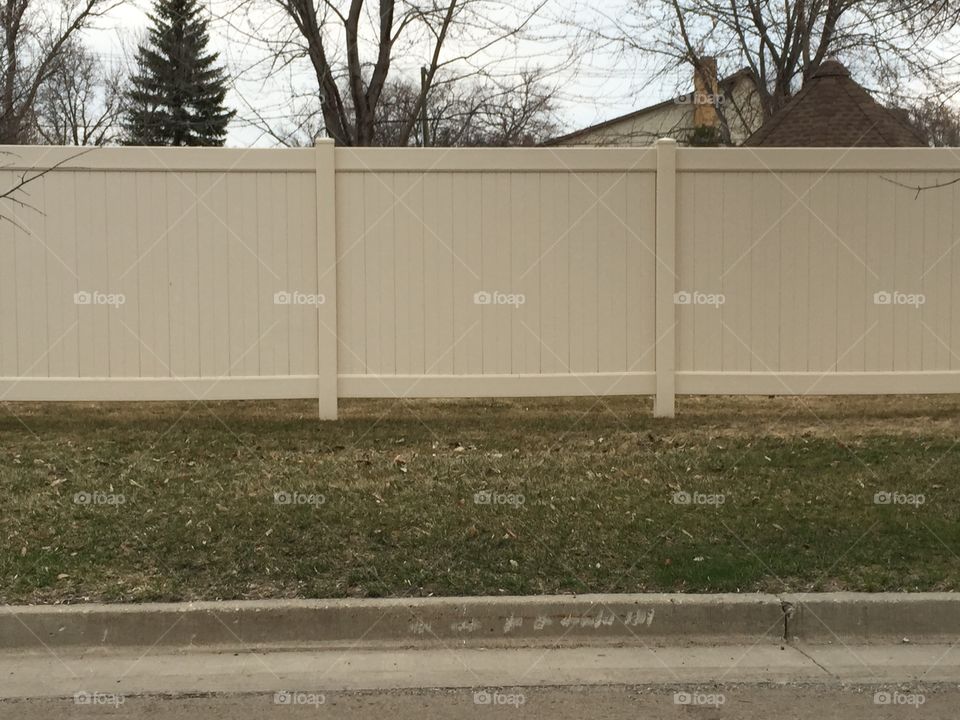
x=326 y=279
x=666 y=279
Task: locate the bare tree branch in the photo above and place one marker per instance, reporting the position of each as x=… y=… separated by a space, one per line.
x=10 y=194
x=34 y=34
x=921 y=188
x=358 y=49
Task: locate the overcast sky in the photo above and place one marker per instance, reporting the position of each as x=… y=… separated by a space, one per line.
x=601 y=86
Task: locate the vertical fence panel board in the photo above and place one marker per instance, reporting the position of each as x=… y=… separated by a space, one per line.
x=178 y=218
x=825 y=254
x=552 y=206
x=954 y=261
x=221 y=244
x=191 y=276
x=32 y=239
x=640 y=271
x=764 y=258
x=313 y=273
x=740 y=350
x=885 y=208
x=87 y=262
x=709 y=333
x=269 y=281
x=687 y=257
x=795 y=311
x=908 y=269
x=350 y=272
x=409 y=274
x=439 y=267
x=208 y=262
x=121 y=237
x=611 y=271
x=61 y=279
x=471 y=275
x=935 y=278
x=852 y=274
x=9 y=350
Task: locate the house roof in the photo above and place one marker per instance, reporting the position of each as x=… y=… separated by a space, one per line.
x=726 y=84
x=832 y=110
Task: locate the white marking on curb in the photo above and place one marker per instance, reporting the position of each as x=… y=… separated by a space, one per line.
x=585 y=621
x=419 y=627
x=639 y=617
x=511 y=623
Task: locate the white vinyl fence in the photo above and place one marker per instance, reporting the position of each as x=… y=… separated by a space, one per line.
x=193 y=274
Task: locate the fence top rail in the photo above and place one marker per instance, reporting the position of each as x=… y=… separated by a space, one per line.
x=435 y=160
x=156 y=159
x=445 y=160
x=818 y=160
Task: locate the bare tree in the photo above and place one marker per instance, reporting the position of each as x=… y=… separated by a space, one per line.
x=783 y=42
x=464 y=114
x=34 y=35
x=82 y=100
x=938 y=123
x=523 y=113
x=360 y=52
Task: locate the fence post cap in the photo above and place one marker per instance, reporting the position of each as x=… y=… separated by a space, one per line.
x=665 y=141
x=322 y=141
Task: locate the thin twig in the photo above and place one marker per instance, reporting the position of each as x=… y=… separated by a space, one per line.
x=15 y=223
x=921 y=188
x=24 y=181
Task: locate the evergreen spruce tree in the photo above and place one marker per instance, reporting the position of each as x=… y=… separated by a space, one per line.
x=176 y=96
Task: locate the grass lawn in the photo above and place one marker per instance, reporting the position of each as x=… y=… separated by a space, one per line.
x=112 y=502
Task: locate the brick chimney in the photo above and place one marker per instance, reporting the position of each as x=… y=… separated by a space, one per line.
x=706 y=89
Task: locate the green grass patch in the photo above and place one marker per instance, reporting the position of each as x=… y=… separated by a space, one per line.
x=158 y=502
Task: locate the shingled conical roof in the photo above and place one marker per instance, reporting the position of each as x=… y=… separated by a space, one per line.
x=831 y=110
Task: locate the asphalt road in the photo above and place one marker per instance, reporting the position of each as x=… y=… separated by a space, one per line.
x=768 y=681
x=742 y=702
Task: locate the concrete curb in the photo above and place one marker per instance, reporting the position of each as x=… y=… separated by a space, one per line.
x=651 y=619
x=872 y=617
x=534 y=620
